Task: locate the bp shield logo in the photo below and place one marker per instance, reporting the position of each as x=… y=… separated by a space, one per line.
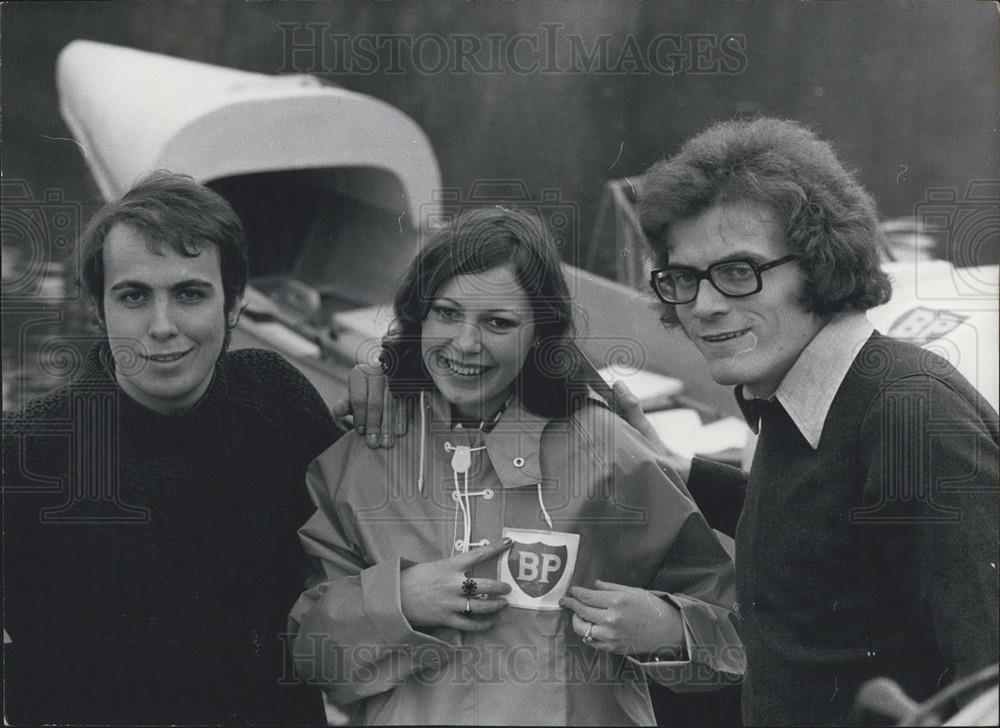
x=538 y=567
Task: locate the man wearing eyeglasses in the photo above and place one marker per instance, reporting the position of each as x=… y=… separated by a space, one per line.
x=867 y=539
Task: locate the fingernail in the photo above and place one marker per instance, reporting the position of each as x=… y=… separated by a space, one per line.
x=372 y=439
x=507 y=540
x=386 y=439
x=361 y=429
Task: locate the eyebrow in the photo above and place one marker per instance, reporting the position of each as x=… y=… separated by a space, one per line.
x=489 y=310
x=188 y=283
x=735 y=255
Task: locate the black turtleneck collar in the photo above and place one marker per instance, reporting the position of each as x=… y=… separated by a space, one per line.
x=99 y=367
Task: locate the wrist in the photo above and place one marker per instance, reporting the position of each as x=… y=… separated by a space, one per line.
x=668 y=642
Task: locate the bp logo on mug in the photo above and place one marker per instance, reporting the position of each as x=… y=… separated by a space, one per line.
x=538 y=567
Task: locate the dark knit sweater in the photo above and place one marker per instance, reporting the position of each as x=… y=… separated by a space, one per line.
x=150 y=560
x=875 y=554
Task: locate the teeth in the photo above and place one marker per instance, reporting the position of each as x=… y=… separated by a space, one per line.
x=166 y=357
x=725 y=337
x=464 y=369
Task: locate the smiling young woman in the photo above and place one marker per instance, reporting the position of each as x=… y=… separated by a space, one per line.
x=461 y=572
x=476 y=338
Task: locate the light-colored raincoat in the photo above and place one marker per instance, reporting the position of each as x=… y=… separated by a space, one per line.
x=586 y=500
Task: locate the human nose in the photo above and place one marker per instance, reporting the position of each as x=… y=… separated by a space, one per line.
x=468 y=339
x=162 y=324
x=708 y=300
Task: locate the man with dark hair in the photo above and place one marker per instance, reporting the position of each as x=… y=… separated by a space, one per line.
x=867 y=540
x=151 y=505
x=868 y=524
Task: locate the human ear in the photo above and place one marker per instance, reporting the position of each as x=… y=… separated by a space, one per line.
x=97 y=315
x=233 y=316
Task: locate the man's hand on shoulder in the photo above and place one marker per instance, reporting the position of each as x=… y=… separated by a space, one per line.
x=373 y=411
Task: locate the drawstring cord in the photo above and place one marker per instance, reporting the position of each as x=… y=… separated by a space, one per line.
x=461 y=461
x=463 y=502
x=423 y=441
x=541 y=504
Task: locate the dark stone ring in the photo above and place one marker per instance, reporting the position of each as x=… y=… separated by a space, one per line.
x=469 y=587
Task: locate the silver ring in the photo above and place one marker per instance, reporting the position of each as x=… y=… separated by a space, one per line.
x=587 y=637
x=468 y=605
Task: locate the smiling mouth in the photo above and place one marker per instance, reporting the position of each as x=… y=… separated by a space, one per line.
x=727 y=336
x=462 y=370
x=166 y=358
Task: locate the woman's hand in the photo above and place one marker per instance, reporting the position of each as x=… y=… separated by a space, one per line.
x=370 y=408
x=439 y=594
x=625 y=620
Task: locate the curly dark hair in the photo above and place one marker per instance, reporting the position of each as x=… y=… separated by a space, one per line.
x=828 y=219
x=475 y=242
x=173 y=210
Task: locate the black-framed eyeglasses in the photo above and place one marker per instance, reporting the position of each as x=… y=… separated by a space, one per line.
x=734 y=278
